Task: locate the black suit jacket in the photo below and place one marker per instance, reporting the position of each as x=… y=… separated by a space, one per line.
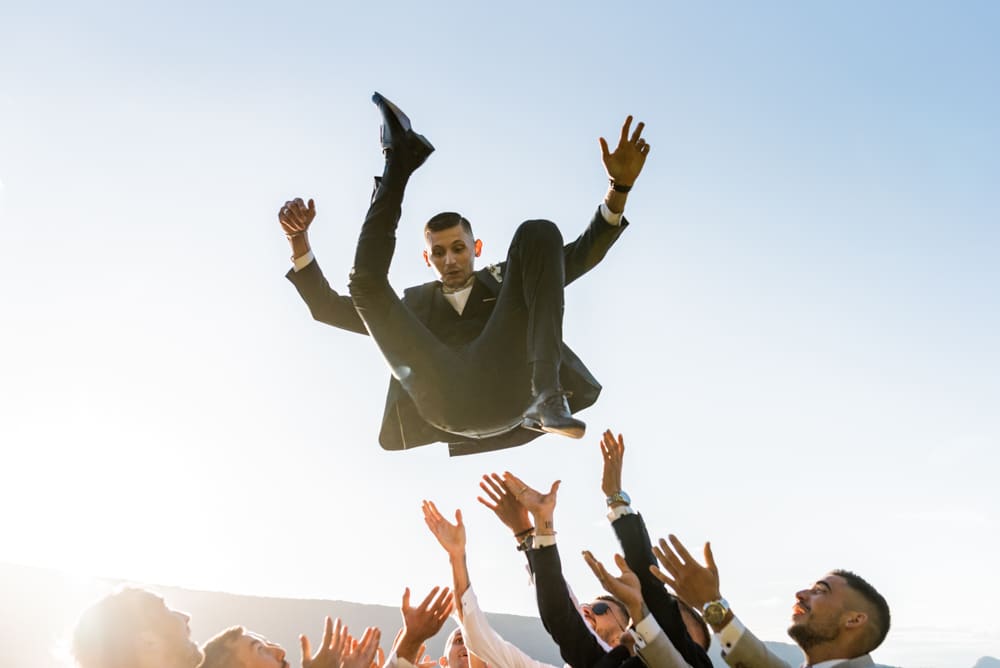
x=634 y=539
x=402 y=425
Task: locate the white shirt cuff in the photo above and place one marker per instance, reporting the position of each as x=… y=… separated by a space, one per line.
x=543 y=541
x=300 y=263
x=730 y=635
x=619 y=511
x=648 y=629
x=609 y=216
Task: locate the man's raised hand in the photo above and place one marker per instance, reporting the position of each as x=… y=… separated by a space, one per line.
x=613 y=452
x=296 y=217
x=693 y=583
x=450 y=536
x=625 y=163
x=361 y=653
x=504 y=504
x=336 y=643
x=536 y=503
x=423 y=621
x=625 y=588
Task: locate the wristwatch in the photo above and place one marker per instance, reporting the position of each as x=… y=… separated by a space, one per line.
x=619 y=497
x=715 y=611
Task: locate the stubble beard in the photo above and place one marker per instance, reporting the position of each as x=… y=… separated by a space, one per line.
x=808 y=636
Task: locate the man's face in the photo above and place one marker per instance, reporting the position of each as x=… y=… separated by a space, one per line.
x=607 y=620
x=452 y=252
x=458 y=654
x=169 y=642
x=255 y=651
x=819 y=611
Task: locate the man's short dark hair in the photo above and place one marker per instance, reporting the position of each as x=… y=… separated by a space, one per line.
x=881 y=619
x=220 y=651
x=448 y=220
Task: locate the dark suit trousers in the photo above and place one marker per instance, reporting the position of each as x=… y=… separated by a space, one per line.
x=634 y=539
x=482 y=388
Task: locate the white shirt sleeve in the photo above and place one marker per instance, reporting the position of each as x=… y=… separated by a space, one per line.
x=609 y=216
x=487 y=644
x=731 y=634
x=543 y=540
x=619 y=511
x=300 y=263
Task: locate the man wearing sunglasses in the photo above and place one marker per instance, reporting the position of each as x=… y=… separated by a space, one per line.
x=591 y=635
x=607 y=616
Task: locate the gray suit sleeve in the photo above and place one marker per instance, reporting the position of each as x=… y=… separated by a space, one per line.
x=661 y=653
x=749 y=652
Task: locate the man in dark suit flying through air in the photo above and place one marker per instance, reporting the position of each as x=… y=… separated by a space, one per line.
x=477 y=357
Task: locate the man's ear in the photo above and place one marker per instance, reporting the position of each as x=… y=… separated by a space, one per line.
x=427 y=259
x=855 y=620
x=479 y=247
x=147 y=644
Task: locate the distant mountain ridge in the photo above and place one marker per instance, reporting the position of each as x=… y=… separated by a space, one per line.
x=39 y=607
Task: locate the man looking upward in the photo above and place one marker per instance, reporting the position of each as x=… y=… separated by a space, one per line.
x=837 y=622
x=134 y=628
x=477 y=357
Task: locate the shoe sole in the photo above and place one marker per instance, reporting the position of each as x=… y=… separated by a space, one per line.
x=569 y=432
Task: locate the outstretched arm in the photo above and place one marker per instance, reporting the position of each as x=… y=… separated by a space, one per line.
x=634 y=539
x=324 y=303
x=452 y=538
x=623 y=166
x=559 y=612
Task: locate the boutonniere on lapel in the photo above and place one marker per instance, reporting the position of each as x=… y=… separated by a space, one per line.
x=495 y=272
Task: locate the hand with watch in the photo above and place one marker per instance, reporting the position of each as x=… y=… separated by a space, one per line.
x=696 y=585
x=613 y=453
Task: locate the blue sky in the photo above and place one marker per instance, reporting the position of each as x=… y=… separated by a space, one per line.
x=797 y=334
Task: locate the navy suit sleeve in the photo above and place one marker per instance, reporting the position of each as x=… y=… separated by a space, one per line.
x=634 y=539
x=577 y=645
x=324 y=303
x=583 y=254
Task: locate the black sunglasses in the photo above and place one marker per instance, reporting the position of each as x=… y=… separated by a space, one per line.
x=599 y=608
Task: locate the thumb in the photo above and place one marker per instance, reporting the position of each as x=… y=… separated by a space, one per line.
x=555 y=487
x=710 y=559
x=605 y=153
x=458 y=516
x=312 y=206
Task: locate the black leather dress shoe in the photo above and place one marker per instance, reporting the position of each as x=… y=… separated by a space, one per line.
x=550 y=413
x=399 y=141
